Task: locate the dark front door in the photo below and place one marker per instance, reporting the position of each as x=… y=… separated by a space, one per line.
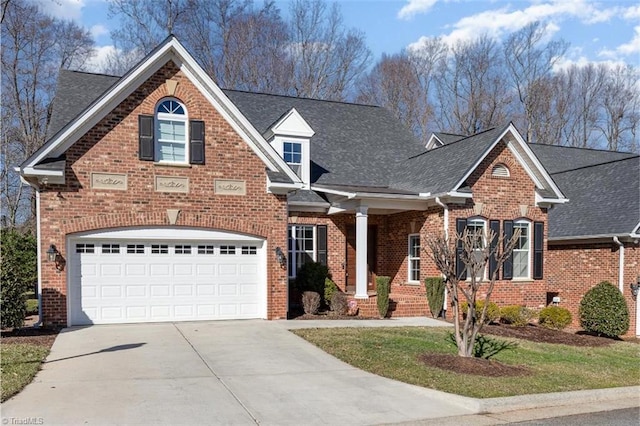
x=350 y=268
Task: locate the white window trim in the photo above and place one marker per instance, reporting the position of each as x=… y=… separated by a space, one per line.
x=305 y=167
x=172 y=117
x=292 y=253
x=410 y=258
x=484 y=222
x=517 y=223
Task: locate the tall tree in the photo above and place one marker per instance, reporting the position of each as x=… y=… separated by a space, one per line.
x=619 y=121
x=35 y=47
x=529 y=60
x=471 y=91
x=327 y=58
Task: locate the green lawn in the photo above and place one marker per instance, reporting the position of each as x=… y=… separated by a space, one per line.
x=394 y=352
x=20 y=363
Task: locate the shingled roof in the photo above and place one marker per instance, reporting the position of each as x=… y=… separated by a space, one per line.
x=604 y=199
x=440 y=169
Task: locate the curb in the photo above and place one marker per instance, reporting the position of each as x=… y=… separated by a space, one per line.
x=542 y=400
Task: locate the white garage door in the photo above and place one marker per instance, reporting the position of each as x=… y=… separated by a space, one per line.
x=152 y=275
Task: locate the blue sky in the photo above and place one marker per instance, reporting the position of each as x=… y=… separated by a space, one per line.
x=599 y=31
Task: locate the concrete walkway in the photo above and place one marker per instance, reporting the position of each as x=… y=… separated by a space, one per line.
x=236 y=372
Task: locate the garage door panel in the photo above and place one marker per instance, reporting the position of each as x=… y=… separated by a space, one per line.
x=149 y=281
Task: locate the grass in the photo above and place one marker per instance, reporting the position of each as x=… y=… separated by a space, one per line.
x=393 y=353
x=20 y=363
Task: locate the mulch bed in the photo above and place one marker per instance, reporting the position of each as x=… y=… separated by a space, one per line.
x=331 y=316
x=33 y=336
x=475 y=366
x=544 y=335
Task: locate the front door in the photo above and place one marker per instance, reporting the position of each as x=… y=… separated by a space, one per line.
x=350 y=268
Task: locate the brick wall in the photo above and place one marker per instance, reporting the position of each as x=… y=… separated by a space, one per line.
x=112 y=147
x=573 y=269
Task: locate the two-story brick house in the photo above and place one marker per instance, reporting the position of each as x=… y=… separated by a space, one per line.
x=162 y=197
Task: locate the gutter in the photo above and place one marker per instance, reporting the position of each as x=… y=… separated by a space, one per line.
x=446 y=236
x=620 y=265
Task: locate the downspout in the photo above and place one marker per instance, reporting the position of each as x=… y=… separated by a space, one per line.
x=39 y=257
x=620 y=265
x=445 y=207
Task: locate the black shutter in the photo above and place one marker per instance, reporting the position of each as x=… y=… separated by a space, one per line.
x=145 y=137
x=461 y=268
x=321 y=244
x=507 y=266
x=494 y=225
x=538 y=246
x=196 y=133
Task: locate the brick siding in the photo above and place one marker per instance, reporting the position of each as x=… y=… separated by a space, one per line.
x=111 y=146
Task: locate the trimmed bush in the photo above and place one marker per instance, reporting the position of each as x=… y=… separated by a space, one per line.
x=383 y=287
x=435 y=294
x=310 y=302
x=603 y=310
x=339 y=303
x=311 y=277
x=555 y=317
x=516 y=315
x=18 y=273
x=330 y=288
x=493 y=312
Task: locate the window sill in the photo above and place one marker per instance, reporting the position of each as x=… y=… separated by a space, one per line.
x=522 y=280
x=178 y=165
x=412 y=283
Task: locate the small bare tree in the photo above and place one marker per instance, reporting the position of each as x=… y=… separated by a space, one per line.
x=474 y=253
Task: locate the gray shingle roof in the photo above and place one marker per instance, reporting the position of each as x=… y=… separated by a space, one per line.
x=357 y=145
x=74 y=93
x=440 y=169
x=447 y=138
x=561 y=158
x=604 y=199
x=302 y=196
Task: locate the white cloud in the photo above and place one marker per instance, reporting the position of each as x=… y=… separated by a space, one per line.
x=66 y=9
x=565 y=63
x=632 y=12
x=415 y=7
x=627 y=49
x=505 y=20
x=98 y=62
x=633 y=47
x=98 y=30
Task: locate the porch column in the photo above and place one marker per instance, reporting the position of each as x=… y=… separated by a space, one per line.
x=361 y=253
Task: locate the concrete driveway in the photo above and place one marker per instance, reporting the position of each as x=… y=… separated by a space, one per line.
x=223 y=372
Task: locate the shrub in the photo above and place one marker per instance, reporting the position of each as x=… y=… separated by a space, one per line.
x=330 y=288
x=310 y=302
x=435 y=294
x=516 y=315
x=555 y=317
x=18 y=273
x=383 y=287
x=603 y=310
x=493 y=312
x=339 y=303
x=311 y=277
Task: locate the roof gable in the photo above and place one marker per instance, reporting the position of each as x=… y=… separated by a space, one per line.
x=169 y=50
x=290 y=124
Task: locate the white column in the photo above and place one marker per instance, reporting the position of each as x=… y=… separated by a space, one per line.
x=361 y=253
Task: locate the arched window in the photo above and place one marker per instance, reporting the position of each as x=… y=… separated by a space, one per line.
x=171 y=132
x=500 y=170
x=522 y=250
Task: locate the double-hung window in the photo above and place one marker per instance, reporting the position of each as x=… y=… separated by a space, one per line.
x=292 y=154
x=301 y=247
x=171 y=132
x=476 y=232
x=522 y=250
x=414 y=258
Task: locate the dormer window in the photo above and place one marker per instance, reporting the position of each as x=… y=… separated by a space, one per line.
x=292 y=154
x=291 y=136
